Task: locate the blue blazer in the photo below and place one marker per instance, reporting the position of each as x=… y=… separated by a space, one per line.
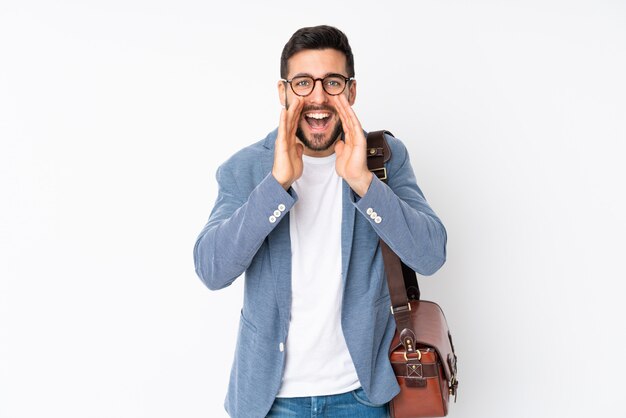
x=248 y=232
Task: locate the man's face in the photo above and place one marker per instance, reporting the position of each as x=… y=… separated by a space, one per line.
x=319 y=125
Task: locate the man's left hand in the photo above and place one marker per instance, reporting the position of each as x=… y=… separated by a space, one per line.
x=351 y=162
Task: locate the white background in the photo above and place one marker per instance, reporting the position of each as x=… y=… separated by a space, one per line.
x=114 y=116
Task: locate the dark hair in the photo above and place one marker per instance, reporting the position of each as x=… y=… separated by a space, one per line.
x=317 y=37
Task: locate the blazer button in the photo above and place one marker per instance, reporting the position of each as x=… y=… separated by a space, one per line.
x=281 y=207
x=373 y=215
x=277 y=213
x=281 y=347
x=378 y=219
x=369 y=211
x=272 y=219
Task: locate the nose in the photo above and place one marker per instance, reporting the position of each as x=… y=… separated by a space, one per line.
x=318 y=95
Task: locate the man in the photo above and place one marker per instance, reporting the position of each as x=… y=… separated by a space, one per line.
x=301 y=215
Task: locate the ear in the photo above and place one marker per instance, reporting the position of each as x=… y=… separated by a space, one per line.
x=352 y=92
x=281 y=93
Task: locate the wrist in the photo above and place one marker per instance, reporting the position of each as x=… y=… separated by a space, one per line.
x=362 y=185
x=286 y=184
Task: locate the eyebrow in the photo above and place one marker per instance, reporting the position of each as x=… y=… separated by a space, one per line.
x=309 y=75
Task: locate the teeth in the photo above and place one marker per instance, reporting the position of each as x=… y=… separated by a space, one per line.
x=318 y=115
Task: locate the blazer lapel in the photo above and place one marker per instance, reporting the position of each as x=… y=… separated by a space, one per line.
x=347 y=229
x=279 y=243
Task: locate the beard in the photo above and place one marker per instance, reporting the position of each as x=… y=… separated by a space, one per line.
x=319 y=142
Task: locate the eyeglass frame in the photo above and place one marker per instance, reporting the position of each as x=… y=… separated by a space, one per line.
x=346 y=79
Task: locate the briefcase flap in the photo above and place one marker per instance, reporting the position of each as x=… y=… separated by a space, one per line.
x=431 y=330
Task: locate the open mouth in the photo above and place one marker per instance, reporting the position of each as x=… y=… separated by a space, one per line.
x=318 y=121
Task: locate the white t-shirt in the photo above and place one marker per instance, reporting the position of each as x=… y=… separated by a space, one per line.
x=317 y=359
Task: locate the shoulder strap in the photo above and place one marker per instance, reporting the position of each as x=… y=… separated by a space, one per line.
x=401 y=280
x=378 y=153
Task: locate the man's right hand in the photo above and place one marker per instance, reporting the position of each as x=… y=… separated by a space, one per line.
x=288 y=151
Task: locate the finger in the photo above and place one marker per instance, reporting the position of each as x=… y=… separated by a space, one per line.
x=294 y=105
x=293 y=117
x=355 y=120
x=282 y=128
x=355 y=124
x=293 y=123
x=293 y=114
x=358 y=138
x=339 y=147
x=345 y=121
x=339 y=105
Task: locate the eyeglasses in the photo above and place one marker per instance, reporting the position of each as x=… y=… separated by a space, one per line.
x=333 y=84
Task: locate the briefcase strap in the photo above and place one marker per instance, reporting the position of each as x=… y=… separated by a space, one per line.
x=378 y=153
x=401 y=280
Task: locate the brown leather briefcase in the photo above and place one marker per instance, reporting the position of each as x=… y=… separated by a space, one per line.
x=426 y=374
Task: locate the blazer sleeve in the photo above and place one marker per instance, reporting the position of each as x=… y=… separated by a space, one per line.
x=237 y=226
x=402 y=217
